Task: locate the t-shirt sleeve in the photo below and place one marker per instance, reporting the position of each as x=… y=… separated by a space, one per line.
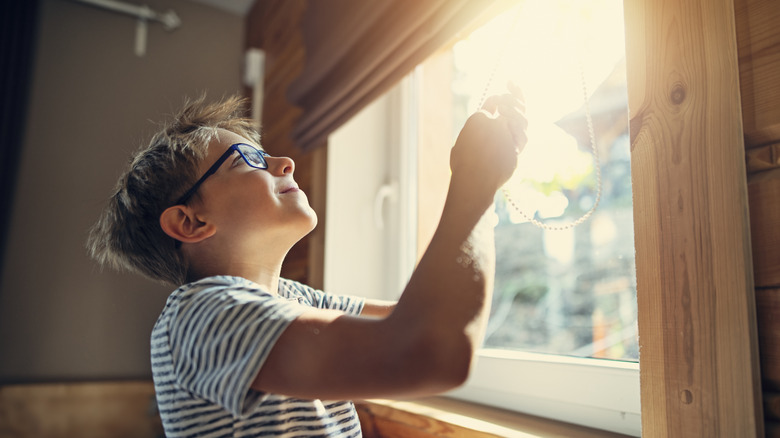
x=323 y=300
x=220 y=339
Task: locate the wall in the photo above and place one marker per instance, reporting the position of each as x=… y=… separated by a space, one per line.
x=92 y=104
x=758 y=40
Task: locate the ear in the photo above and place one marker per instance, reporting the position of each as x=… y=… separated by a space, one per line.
x=181 y=223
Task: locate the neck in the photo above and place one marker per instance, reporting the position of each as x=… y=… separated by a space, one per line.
x=266 y=274
x=263 y=269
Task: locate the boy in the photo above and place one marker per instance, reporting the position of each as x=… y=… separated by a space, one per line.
x=239 y=351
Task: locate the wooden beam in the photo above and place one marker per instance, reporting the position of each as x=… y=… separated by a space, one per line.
x=697 y=324
x=317 y=199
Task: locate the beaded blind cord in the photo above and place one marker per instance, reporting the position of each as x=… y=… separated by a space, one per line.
x=591 y=133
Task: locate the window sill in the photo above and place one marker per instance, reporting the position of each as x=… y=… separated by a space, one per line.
x=446 y=417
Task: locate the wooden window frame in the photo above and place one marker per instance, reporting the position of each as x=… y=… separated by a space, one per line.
x=699 y=366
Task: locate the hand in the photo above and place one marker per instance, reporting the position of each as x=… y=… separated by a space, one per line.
x=487 y=147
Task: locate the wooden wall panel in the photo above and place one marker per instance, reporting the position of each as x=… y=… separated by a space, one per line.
x=764 y=189
x=697 y=328
x=768 y=306
x=758 y=38
x=84 y=410
x=764 y=192
x=759 y=68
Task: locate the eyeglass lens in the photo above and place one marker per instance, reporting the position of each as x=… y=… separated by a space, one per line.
x=254 y=157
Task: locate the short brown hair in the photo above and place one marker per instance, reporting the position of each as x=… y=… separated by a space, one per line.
x=128 y=235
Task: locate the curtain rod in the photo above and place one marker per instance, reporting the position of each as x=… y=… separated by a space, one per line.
x=169 y=20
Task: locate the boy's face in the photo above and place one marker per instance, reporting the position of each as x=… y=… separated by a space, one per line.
x=262 y=207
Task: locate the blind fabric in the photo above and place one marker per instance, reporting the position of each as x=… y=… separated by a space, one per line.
x=356 y=50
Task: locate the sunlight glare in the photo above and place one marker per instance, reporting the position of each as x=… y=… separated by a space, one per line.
x=545 y=47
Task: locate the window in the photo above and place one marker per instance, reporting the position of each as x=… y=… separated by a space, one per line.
x=569 y=291
x=565 y=301
x=372 y=199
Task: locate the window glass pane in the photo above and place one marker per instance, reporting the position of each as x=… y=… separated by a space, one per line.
x=570 y=292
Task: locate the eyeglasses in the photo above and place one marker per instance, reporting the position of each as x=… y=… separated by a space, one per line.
x=252 y=156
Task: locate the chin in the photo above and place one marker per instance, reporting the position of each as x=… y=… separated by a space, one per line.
x=313 y=220
x=306 y=220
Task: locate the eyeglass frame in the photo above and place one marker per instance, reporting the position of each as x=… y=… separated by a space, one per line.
x=214 y=167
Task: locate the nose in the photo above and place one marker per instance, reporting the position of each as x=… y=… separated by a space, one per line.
x=281 y=165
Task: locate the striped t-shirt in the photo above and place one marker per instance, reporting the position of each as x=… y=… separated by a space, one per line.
x=208 y=345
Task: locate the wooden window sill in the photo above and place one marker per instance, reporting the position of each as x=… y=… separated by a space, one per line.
x=446 y=417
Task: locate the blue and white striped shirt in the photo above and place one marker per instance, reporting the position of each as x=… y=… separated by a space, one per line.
x=209 y=343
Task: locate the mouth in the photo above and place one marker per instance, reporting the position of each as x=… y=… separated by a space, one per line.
x=290 y=189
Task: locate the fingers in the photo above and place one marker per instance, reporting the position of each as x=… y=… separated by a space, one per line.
x=508 y=107
x=495 y=102
x=511 y=107
x=513 y=113
x=516 y=91
x=519 y=135
x=514 y=98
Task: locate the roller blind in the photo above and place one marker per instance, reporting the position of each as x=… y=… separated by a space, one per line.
x=357 y=49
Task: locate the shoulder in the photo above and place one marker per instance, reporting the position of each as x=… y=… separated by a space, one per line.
x=222 y=284
x=218 y=292
x=218 y=305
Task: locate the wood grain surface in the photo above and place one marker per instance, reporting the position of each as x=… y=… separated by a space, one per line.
x=697 y=325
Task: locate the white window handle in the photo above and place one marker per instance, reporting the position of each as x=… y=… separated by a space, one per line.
x=387 y=191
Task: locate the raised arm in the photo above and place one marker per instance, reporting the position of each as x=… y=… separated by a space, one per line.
x=378 y=308
x=427 y=343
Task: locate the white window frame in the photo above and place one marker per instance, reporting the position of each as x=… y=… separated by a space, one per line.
x=372 y=198
x=598 y=393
